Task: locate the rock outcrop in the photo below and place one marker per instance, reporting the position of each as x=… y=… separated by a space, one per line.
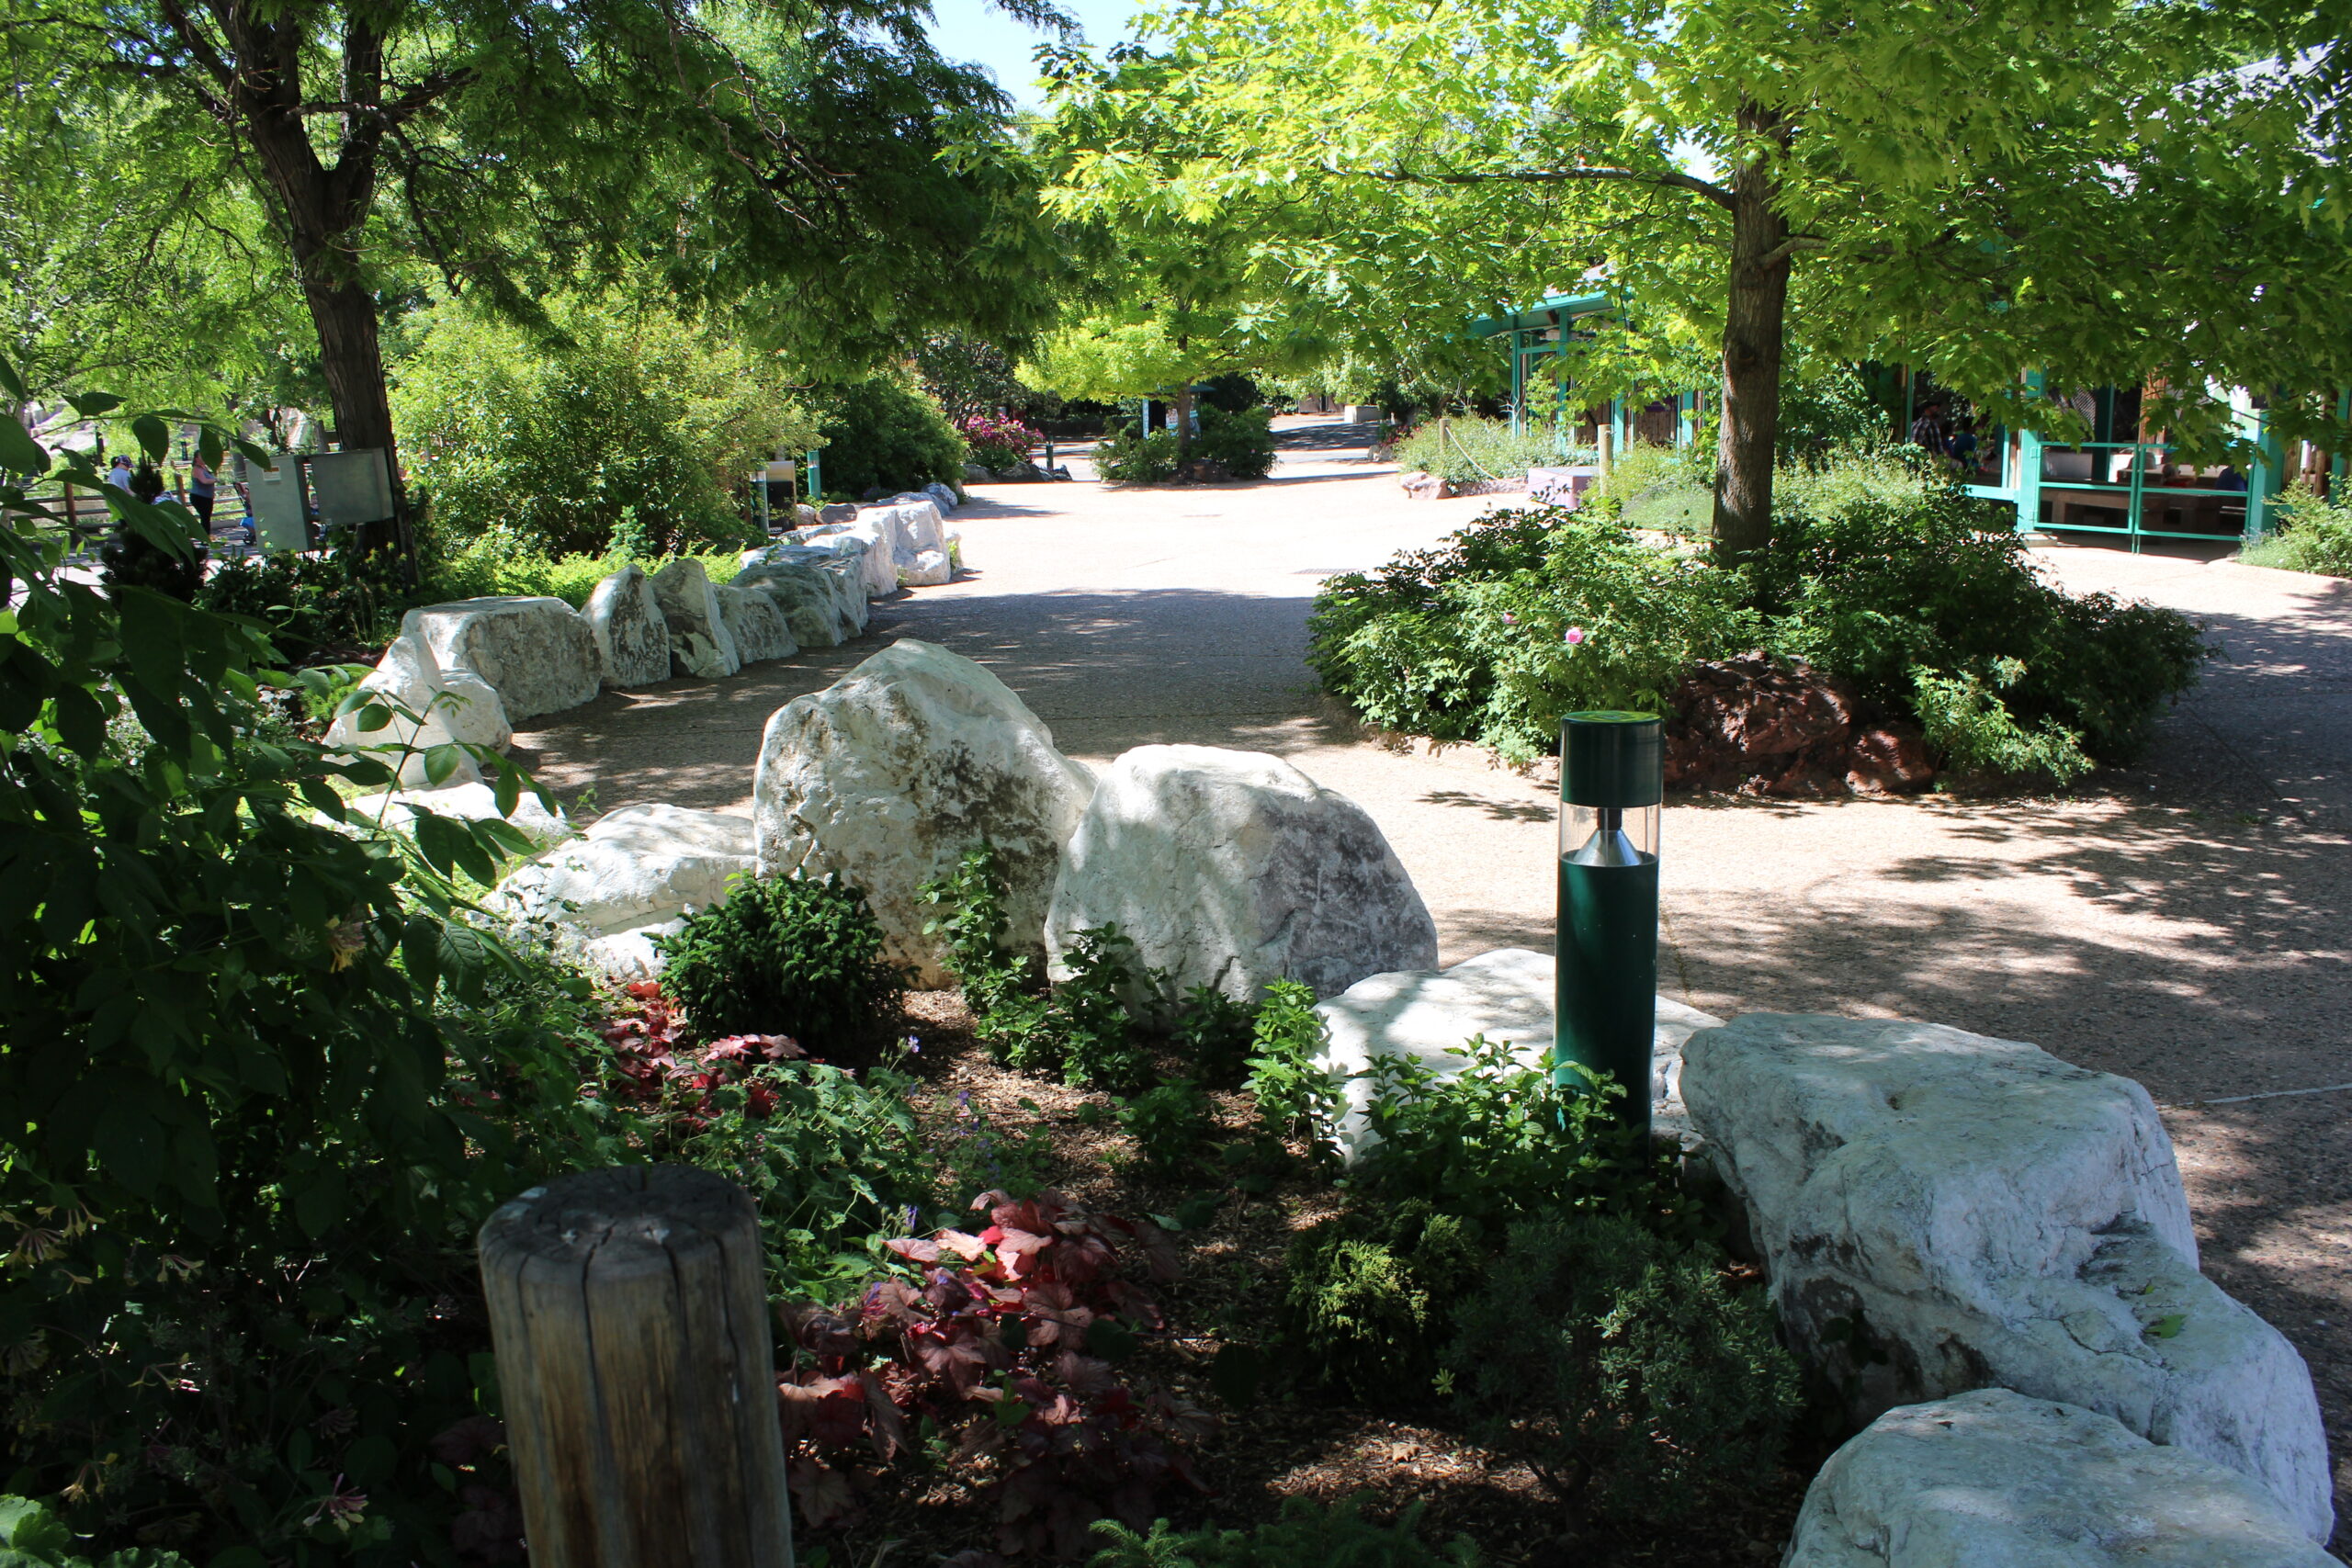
x=891 y=774
x=632 y=638
x=755 y=625
x=1993 y=1479
x=1763 y=726
x=1939 y=1211
x=536 y=653
x=1233 y=869
x=639 y=867
x=699 y=642
x=1508 y=995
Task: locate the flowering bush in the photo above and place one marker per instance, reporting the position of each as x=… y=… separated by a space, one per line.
x=997 y=1358
x=997 y=443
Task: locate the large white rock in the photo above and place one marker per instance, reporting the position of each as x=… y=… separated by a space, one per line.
x=1509 y=996
x=700 y=643
x=891 y=774
x=638 y=866
x=1940 y=1212
x=1993 y=1479
x=941 y=496
x=911 y=522
x=632 y=636
x=1233 y=869
x=759 y=629
x=631 y=955
x=467 y=802
x=449 y=705
x=817 y=590
x=928 y=570
x=536 y=653
x=864 y=542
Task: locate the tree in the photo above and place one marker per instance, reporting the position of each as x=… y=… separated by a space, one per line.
x=812 y=163
x=2026 y=185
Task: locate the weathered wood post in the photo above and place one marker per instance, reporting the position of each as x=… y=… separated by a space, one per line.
x=628 y=1309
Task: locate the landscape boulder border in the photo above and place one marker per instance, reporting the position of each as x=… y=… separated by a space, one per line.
x=633 y=869
x=632 y=635
x=890 y=774
x=759 y=630
x=700 y=644
x=1939 y=1211
x=448 y=705
x=1993 y=1479
x=1509 y=996
x=1233 y=869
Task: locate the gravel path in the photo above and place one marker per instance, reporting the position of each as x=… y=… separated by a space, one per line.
x=2188 y=922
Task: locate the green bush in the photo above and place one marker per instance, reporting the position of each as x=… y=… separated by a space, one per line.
x=2315 y=535
x=500 y=562
x=1467 y=449
x=315 y=605
x=1127 y=457
x=33 y=1537
x=1212 y=1034
x=1098 y=1043
x=1308 y=1535
x=1368 y=1299
x=887 y=433
x=636 y=416
x=787 y=955
x=1241 y=439
x=1169 y=1124
x=1295 y=1097
x=1622 y=1367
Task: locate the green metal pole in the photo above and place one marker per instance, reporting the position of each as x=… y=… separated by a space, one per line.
x=1611 y=780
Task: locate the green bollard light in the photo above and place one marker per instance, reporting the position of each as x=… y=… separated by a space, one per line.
x=1612 y=776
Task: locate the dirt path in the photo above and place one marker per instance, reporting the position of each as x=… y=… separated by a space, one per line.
x=2188 y=922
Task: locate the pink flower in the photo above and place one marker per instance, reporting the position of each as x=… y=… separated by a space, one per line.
x=1510 y=619
x=1573 y=635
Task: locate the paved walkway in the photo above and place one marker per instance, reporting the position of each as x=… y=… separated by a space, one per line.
x=2187 y=923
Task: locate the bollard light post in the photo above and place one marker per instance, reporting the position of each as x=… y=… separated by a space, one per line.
x=1612 y=776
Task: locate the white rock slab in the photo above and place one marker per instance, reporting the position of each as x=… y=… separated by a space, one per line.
x=1939 y=1211
x=891 y=774
x=818 y=591
x=631 y=955
x=759 y=629
x=1507 y=995
x=700 y=644
x=1993 y=1479
x=467 y=802
x=450 y=705
x=536 y=653
x=942 y=497
x=632 y=636
x=928 y=570
x=864 y=542
x=638 y=866
x=1234 y=869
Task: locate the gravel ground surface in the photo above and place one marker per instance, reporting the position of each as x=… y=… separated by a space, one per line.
x=2187 y=922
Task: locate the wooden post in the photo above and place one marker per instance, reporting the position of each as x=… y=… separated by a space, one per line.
x=637 y=1368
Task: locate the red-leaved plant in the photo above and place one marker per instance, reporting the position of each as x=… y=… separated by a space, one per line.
x=653 y=1068
x=997 y=1351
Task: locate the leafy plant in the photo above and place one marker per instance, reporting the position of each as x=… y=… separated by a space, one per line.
x=30 y=1535
x=2315 y=535
x=1467 y=449
x=1309 y=1534
x=788 y=956
x=1129 y=457
x=886 y=434
x=1622 y=1367
x=997 y=442
x=1169 y=1125
x=313 y=603
x=1099 y=1047
x=1001 y=1349
x=1368 y=1298
x=1296 y=1097
x=1212 y=1034
x=1240 y=439
x=982 y=1153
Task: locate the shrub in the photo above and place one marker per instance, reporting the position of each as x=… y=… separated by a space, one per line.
x=787 y=955
x=1240 y=439
x=636 y=415
x=1296 y=1097
x=33 y=1537
x=886 y=434
x=1212 y=1035
x=2315 y=535
x=1309 y=1534
x=1097 y=1041
x=1467 y=449
x=1001 y=1351
x=1622 y=1367
x=834 y=1161
x=1127 y=457
x=315 y=605
x=996 y=442
x=979 y=1153
x=1368 y=1299
x=1169 y=1125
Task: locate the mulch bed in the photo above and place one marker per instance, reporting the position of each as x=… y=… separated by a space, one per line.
x=1286 y=1444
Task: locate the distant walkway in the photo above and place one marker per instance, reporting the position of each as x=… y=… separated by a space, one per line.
x=2188 y=922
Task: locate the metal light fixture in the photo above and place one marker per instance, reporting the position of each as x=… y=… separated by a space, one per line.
x=1612 y=776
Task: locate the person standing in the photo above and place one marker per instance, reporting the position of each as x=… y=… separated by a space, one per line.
x=118 y=472
x=1927 y=430
x=201 y=486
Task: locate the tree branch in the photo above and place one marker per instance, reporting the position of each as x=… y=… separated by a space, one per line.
x=1791 y=246
x=1666 y=179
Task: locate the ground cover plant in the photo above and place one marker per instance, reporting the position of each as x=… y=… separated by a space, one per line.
x=2315 y=535
x=1467 y=449
x=1881 y=572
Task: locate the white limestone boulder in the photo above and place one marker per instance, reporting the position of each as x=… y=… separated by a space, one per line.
x=943 y=498
x=1993 y=1479
x=913 y=528
x=816 y=590
x=1939 y=1211
x=448 y=705
x=862 y=542
x=1509 y=996
x=1233 y=869
x=891 y=774
x=466 y=802
x=632 y=636
x=700 y=644
x=928 y=570
x=631 y=955
x=536 y=653
x=638 y=866
x=758 y=628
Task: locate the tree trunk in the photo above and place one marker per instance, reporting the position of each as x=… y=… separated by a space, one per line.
x=1183 y=423
x=351 y=357
x=1754 y=326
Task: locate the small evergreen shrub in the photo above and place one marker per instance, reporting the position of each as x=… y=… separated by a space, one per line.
x=1309 y=1534
x=1241 y=439
x=1099 y=1047
x=1126 y=457
x=2315 y=535
x=1622 y=1367
x=1169 y=1125
x=788 y=956
x=1368 y=1299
